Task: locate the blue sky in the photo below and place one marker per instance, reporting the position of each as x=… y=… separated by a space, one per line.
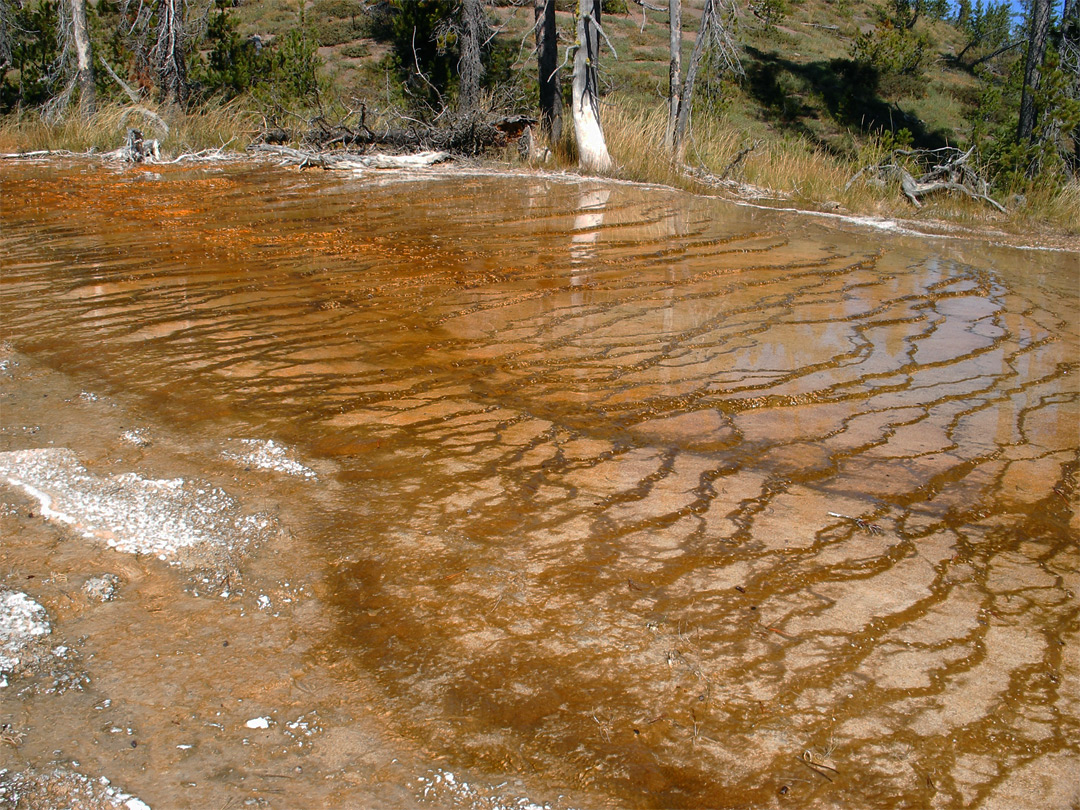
x=1018 y=7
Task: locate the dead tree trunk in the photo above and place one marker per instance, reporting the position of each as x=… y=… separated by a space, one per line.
x=75 y=64
x=592 y=148
x=7 y=25
x=714 y=35
x=674 y=69
x=170 y=52
x=547 y=58
x=1036 y=53
x=84 y=57
x=686 y=99
x=682 y=117
x=472 y=69
x=1070 y=63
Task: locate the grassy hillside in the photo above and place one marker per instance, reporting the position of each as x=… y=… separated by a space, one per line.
x=795 y=82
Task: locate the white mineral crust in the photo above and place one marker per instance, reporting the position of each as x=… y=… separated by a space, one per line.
x=130 y=513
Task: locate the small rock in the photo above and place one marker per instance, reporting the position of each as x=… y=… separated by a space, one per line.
x=102 y=588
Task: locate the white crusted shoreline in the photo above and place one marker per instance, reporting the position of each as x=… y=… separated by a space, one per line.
x=177 y=521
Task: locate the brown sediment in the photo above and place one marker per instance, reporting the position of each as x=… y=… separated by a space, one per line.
x=637 y=498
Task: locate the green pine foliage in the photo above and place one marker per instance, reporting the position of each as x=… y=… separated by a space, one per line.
x=769 y=12
x=28 y=81
x=425 y=50
x=282 y=72
x=233 y=64
x=896 y=48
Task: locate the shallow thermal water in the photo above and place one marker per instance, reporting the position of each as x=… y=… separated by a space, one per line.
x=605 y=495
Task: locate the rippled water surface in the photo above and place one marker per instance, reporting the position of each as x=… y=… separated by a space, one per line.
x=638 y=497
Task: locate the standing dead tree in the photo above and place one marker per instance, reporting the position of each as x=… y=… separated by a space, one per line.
x=547 y=58
x=84 y=57
x=472 y=68
x=592 y=148
x=1038 y=32
x=160 y=38
x=75 y=64
x=1069 y=50
x=674 y=67
x=7 y=25
x=169 y=54
x=715 y=38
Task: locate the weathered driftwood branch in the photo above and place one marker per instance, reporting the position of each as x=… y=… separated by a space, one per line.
x=136 y=150
x=951 y=172
x=746 y=191
x=124 y=154
x=738 y=159
x=37 y=153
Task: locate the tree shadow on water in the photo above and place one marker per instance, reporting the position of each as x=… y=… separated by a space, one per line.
x=849 y=91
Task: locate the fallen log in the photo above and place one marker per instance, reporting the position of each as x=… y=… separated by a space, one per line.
x=348 y=160
x=742 y=190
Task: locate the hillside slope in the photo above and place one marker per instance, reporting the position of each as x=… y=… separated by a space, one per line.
x=799 y=75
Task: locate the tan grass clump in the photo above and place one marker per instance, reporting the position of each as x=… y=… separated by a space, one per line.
x=212 y=127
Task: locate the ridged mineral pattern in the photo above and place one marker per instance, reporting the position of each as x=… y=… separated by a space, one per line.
x=686 y=504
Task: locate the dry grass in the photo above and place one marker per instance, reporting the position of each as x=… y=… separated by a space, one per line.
x=806 y=175
x=204 y=128
x=1058 y=208
x=792 y=167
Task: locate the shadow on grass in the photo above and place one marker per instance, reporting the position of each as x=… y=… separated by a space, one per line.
x=849 y=91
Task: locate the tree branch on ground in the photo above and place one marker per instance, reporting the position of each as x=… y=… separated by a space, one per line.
x=950 y=172
x=463 y=135
x=345 y=160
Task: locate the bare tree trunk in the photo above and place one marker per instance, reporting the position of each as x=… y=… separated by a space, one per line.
x=716 y=35
x=592 y=148
x=1070 y=63
x=547 y=57
x=472 y=69
x=687 y=99
x=7 y=25
x=169 y=53
x=84 y=57
x=674 y=68
x=1040 y=28
x=75 y=64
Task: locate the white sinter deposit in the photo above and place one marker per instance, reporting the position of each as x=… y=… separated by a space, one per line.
x=172 y=519
x=22 y=621
x=267 y=455
x=63 y=788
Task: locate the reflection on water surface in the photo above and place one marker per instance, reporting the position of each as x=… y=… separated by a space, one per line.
x=636 y=494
